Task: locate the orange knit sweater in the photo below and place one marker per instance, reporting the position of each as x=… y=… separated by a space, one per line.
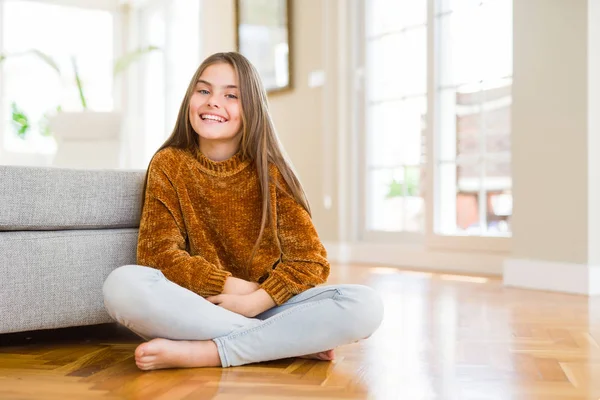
x=201 y=219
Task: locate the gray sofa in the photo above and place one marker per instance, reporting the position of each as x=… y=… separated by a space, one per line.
x=62 y=231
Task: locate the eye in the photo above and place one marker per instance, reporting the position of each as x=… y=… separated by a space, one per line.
x=203 y=91
x=231 y=96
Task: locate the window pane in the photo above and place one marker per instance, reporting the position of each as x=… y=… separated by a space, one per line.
x=385 y=200
x=467 y=213
x=498 y=186
x=459 y=198
x=396 y=94
x=414 y=204
x=476 y=42
x=461 y=41
x=384 y=142
x=446 y=194
x=396 y=132
x=397 y=65
x=496 y=117
x=392 y=15
x=154 y=105
x=85 y=34
x=446 y=141
x=395 y=202
x=468 y=123
x=459 y=209
x=468 y=185
x=456 y=5
x=496 y=34
x=474 y=98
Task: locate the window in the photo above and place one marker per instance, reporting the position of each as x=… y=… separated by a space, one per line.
x=162 y=77
x=396 y=103
x=153 y=25
x=467 y=68
x=473 y=94
x=31 y=88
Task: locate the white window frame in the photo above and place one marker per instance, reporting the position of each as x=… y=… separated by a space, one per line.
x=365 y=234
x=429 y=238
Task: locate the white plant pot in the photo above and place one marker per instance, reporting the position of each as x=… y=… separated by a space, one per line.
x=87 y=139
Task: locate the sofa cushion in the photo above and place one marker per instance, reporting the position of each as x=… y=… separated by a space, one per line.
x=46 y=198
x=54 y=279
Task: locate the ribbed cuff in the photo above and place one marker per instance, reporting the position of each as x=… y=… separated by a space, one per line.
x=276 y=288
x=215 y=282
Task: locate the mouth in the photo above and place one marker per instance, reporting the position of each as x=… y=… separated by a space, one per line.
x=213 y=118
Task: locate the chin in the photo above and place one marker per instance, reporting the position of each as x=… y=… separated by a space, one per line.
x=216 y=136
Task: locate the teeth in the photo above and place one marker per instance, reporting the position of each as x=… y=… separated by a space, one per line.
x=212 y=117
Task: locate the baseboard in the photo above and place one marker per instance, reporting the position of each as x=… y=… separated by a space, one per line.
x=415 y=257
x=522 y=273
x=553 y=276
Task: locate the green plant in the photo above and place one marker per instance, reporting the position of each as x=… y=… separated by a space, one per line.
x=44 y=122
x=20 y=120
x=409 y=187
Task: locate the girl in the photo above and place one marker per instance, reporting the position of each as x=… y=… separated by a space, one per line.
x=229 y=260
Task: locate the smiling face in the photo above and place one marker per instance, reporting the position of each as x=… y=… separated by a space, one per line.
x=215 y=108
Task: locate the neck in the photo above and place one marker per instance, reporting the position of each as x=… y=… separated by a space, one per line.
x=219 y=151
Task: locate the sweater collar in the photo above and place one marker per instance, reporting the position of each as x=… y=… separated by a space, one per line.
x=226 y=167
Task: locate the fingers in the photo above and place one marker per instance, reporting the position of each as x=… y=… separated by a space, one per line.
x=218 y=299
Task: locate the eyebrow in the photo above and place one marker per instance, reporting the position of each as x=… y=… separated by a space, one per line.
x=209 y=84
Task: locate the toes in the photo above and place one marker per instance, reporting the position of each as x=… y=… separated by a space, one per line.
x=145 y=366
x=141 y=350
x=145 y=359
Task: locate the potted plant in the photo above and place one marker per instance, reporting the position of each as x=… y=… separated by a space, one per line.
x=86 y=138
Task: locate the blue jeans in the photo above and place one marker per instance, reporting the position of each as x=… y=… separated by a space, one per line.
x=318 y=319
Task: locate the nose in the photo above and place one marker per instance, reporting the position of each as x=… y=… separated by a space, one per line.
x=212 y=101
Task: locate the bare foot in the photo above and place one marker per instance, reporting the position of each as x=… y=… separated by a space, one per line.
x=164 y=353
x=328 y=355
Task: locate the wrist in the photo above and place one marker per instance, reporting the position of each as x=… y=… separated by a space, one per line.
x=261 y=301
x=238 y=286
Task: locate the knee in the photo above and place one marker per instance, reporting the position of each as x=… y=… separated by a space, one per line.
x=119 y=279
x=366 y=310
x=123 y=284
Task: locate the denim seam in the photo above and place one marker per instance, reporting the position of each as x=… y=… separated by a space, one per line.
x=338 y=292
x=315 y=295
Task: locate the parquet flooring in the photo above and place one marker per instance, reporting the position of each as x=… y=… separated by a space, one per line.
x=443 y=337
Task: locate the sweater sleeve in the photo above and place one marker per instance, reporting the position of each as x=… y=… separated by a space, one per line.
x=162 y=239
x=303 y=261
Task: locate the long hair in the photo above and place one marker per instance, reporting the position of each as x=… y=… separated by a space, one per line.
x=259 y=140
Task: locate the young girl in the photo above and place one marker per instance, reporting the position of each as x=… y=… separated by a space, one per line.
x=229 y=260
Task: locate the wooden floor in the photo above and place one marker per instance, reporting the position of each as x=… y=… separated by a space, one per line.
x=443 y=337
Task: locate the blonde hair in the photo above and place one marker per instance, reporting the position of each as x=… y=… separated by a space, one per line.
x=259 y=140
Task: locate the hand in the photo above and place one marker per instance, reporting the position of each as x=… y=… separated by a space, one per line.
x=239 y=286
x=237 y=303
x=248 y=305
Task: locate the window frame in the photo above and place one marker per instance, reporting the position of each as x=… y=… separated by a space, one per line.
x=429 y=238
